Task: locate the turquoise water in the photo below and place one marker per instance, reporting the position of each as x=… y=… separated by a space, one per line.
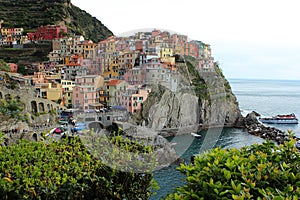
x=169 y=178
x=267 y=97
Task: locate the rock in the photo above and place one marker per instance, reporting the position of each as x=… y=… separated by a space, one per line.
x=163 y=149
x=251 y=119
x=254 y=127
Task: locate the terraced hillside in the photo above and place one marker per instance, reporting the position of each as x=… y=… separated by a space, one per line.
x=31 y=14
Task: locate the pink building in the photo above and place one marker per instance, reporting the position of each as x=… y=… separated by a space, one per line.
x=85 y=92
x=133 y=98
x=134 y=76
x=122 y=44
x=155 y=33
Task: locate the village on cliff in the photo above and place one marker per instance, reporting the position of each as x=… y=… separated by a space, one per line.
x=115 y=72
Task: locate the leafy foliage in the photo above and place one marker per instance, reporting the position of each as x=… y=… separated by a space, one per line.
x=121 y=152
x=64 y=170
x=4 y=66
x=199 y=84
x=264 y=171
x=12 y=108
x=220 y=73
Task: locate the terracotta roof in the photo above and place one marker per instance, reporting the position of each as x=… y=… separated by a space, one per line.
x=114 y=82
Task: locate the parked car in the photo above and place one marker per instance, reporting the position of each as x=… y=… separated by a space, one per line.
x=58 y=132
x=63 y=120
x=79 y=126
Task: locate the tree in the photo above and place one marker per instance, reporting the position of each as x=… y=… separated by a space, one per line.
x=264 y=171
x=67 y=170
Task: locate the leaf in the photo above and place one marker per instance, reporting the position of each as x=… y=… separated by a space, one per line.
x=233 y=185
x=225 y=192
x=216 y=191
x=227 y=174
x=8 y=179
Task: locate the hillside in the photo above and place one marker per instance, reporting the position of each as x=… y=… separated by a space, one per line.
x=31 y=14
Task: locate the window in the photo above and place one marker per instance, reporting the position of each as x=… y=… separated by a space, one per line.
x=108 y=117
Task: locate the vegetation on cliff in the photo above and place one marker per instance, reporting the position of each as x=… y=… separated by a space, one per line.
x=264 y=171
x=30 y=14
x=11 y=108
x=4 y=66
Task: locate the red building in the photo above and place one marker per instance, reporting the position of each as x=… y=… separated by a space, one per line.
x=139 y=45
x=49 y=32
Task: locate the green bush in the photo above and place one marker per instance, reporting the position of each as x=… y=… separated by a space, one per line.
x=264 y=171
x=12 y=107
x=65 y=170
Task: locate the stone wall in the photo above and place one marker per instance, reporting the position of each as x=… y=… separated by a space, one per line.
x=33 y=104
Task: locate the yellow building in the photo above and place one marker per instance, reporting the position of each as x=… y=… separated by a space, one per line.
x=67 y=92
x=165 y=52
x=54 y=92
x=207 y=51
x=112 y=69
x=108 y=55
x=170 y=60
x=89 y=49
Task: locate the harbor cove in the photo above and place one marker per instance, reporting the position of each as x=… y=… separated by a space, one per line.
x=86 y=113
x=252 y=95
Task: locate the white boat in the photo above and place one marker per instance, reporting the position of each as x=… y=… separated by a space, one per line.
x=196 y=135
x=280 y=119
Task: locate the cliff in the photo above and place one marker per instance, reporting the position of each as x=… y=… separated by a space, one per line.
x=30 y=14
x=202 y=100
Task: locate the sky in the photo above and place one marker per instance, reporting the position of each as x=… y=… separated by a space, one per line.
x=255 y=39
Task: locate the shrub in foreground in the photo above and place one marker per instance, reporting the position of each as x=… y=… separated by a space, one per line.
x=264 y=171
x=64 y=170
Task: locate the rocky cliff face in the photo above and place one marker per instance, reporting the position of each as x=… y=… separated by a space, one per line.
x=189 y=109
x=221 y=107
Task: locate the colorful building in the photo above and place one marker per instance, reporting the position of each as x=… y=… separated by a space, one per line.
x=132 y=99
x=114 y=88
x=126 y=61
x=86 y=92
x=67 y=92
x=49 y=32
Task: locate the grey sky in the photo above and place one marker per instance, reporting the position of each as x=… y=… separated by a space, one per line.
x=249 y=38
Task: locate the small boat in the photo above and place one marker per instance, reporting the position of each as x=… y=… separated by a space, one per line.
x=196 y=135
x=280 y=119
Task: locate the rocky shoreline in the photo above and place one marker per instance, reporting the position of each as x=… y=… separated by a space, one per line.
x=254 y=127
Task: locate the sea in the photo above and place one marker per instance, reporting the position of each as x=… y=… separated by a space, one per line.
x=266 y=97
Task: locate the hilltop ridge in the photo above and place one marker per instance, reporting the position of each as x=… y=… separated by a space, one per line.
x=30 y=14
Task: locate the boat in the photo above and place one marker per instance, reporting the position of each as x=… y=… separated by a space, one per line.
x=196 y=135
x=280 y=119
